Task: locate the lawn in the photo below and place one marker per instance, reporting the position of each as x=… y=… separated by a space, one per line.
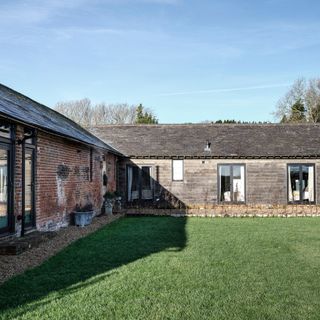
x=177 y=268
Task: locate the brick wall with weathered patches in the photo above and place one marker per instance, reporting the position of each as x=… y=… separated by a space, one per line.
x=266 y=184
x=66 y=177
x=63 y=179
x=111 y=166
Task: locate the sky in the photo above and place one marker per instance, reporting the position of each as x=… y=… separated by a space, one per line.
x=187 y=60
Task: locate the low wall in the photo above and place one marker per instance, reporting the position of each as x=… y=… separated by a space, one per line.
x=233 y=211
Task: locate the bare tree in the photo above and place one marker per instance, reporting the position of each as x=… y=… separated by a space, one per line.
x=301 y=103
x=79 y=111
x=122 y=113
x=86 y=114
x=312 y=100
x=296 y=94
x=113 y=114
x=100 y=114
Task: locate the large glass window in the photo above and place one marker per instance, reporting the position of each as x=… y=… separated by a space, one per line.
x=301 y=187
x=139 y=183
x=133 y=183
x=29 y=151
x=6 y=146
x=3 y=188
x=146 y=183
x=28 y=188
x=231 y=183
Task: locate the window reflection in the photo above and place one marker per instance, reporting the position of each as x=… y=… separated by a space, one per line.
x=301 y=183
x=232 y=183
x=28 y=187
x=3 y=188
x=5 y=131
x=139 y=179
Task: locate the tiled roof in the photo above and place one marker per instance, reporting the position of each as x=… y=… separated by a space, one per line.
x=18 y=107
x=227 y=140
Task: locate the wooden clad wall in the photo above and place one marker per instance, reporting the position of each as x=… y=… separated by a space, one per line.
x=266 y=179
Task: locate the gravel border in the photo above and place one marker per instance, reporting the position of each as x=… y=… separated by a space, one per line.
x=14 y=265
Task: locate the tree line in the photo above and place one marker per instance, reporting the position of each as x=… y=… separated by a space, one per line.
x=87 y=114
x=301 y=103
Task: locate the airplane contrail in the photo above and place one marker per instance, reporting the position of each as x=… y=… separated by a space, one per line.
x=265 y=86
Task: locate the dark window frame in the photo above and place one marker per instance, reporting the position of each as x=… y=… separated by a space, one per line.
x=231 y=183
x=9 y=145
x=140 y=166
x=300 y=178
x=29 y=147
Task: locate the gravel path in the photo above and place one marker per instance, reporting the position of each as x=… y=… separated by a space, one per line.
x=13 y=265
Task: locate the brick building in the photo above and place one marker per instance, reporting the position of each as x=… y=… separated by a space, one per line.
x=48 y=166
x=218 y=169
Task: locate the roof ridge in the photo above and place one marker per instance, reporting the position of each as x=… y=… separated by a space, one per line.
x=243 y=140
x=206 y=124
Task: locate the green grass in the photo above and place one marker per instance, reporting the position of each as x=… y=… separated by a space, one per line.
x=177 y=268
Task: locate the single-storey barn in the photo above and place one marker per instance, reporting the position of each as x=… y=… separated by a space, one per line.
x=218 y=169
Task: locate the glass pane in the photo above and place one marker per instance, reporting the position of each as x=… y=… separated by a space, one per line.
x=294 y=183
x=129 y=182
x=177 y=167
x=225 y=183
x=238 y=184
x=145 y=179
x=28 y=188
x=135 y=183
x=3 y=188
x=146 y=185
x=5 y=131
x=28 y=133
x=307 y=183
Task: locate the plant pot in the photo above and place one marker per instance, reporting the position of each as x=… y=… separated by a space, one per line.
x=117 y=205
x=108 y=209
x=82 y=219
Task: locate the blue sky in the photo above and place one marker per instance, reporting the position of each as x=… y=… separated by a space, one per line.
x=187 y=60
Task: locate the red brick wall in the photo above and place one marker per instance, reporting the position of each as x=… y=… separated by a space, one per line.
x=64 y=179
x=111 y=172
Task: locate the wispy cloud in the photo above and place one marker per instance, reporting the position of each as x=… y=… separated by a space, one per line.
x=159 y=2
x=219 y=90
x=171 y=2
x=71 y=32
x=32 y=12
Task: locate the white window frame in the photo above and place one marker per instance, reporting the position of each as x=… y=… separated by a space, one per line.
x=177 y=176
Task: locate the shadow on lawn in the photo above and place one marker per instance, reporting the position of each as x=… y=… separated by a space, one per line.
x=121 y=243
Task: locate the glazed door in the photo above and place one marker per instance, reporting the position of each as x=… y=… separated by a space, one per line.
x=29 y=179
x=232 y=183
x=5 y=203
